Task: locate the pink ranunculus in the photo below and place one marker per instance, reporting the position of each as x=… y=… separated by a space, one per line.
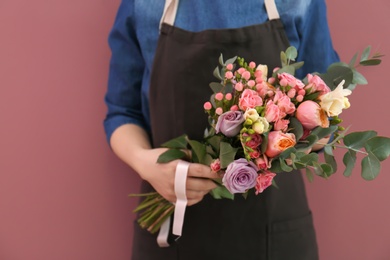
x=249 y=99
x=230 y=123
x=263 y=88
x=254 y=154
x=215 y=165
x=262 y=162
x=311 y=115
x=254 y=142
x=281 y=125
x=320 y=85
x=284 y=103
x=272 y=111
x=263 y=181
x=278 y=142
x=240 y=175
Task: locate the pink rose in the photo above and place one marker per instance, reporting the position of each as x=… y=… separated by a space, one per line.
x=229 y=123
x=286 y=79
x=272 y=111
x=262 y=162
x=263 y=181
x=278 y=142
x=319 y=84
x=311 y=115
x=264 y=88
x=281 y=125
x=215 y=165
x=249 y=99
x=284 y=103
x=254 y=142
x=254 y=154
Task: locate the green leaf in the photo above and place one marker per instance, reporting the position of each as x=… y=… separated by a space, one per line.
x=264 y=144
x=231 y=60
x=307 y=143
x=330 y=160
x=170 y=155
x=198 y=152
x=358 y=78
x=370 y=167
x=220 y=192
x=215 y=142
x=336 y=73
x=297 y=65
x=309 y=175
x=349 y=161
x=221 y=60
x=328 y=150
x=296 y=128
x=217 y=73
x=365 y=54
x=379 y=146
x=327 y=169
x=216 y=87
x=283 y=58
x=322 y=132
x=284 y=166
x=291 y=53
x=318 y=169
x=309 y=159
x=227 y=154
x=353 y=60
x=288 y=69
x=357 y=140
x=275 y=167
x=286 y=153
x=371 y=62
x=180 y=142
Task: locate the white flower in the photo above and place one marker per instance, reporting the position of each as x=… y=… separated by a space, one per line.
x=264 y=71
x=261 y=125
x=251 y=114
x=335 y=101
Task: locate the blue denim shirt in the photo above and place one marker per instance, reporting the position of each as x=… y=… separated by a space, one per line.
x=135 y=32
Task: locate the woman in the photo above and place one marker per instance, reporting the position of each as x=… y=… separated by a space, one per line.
x=162 y=62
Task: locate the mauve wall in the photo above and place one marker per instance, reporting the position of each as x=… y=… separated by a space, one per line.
x=63 y=195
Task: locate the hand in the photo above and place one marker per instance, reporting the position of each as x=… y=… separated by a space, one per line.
x=162 y=176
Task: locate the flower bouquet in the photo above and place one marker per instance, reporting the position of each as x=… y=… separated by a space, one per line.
x=260 y=127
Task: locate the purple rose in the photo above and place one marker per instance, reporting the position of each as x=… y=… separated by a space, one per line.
x=240 y=176
x=229 y=123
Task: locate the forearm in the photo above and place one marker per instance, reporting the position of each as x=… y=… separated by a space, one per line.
x=128 y=142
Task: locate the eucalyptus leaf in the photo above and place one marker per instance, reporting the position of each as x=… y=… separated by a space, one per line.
x=371 y=62
x=180 y=142
x=358 y=78
x=297 y=65
x=309 y=159
x=309 y=175
x=323 y=132
x=217 y=73
x=291 y=53
x=171 y=155
x=221 y=62
x=264 y=144
x=353 y=60
x=296 y=128
x=349 y=161
x=216 y=87
x=329 y=159
x=286 y=153
x=227 y=154
x=365 y=54
x=357 y=140
x=284 y=166
x=231 y=60
x=288 y=69
x=337 y=73
x=228 y=87
x=379 y=146
x=275 y=166
x=283 y=58
x=327 y=169
x=328 y=150
x=318 y=169
x=371 y=167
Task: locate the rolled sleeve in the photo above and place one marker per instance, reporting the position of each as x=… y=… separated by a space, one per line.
x=123 y=96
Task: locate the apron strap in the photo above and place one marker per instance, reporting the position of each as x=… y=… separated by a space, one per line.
x=170 y=10
x=272 y=11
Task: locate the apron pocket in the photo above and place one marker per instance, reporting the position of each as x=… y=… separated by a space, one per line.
x=294 y=240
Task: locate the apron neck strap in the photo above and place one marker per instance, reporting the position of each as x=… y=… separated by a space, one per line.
x=272 y=11
x=170 y=10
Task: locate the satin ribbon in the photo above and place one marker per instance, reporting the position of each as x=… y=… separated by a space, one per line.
x=180 y=205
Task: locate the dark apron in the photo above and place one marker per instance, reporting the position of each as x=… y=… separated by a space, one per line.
x=276 y=224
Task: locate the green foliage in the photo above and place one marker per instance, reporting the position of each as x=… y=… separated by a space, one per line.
x=227 y=154
x=170 y=155
x=180 y=142
x=370 y=167
x=220 y=192
x=379 y=146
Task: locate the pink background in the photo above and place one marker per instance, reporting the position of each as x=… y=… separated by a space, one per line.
x=63 y=194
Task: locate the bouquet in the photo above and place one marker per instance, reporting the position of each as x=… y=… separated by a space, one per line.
x=260 y=127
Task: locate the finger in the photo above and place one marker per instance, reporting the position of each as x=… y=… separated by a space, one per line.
x=200 y=184
x=201 y=171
